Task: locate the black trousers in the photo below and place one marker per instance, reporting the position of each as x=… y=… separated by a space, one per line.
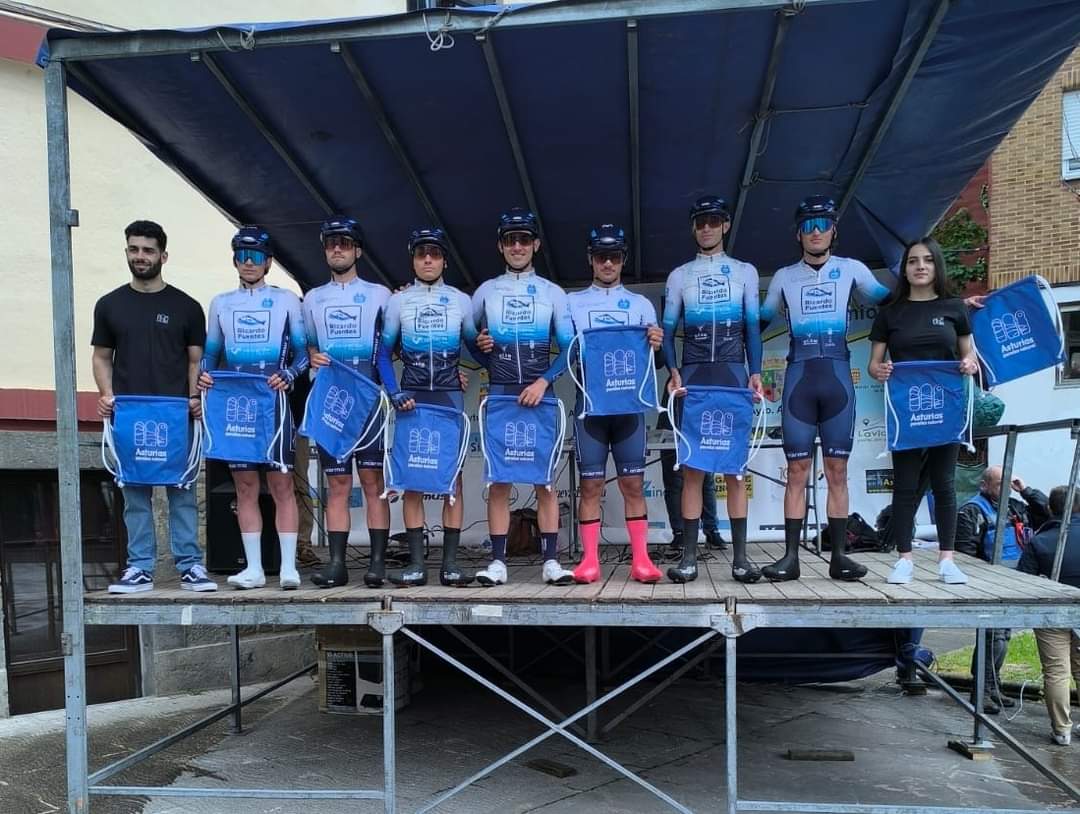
x=940 y=464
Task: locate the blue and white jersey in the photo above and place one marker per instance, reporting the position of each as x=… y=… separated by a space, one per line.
x=716 y=297
x=344 y=321
x=816 y=302
x=256 y=330
x=522 y=312
x=598 y=307
x=430 y=322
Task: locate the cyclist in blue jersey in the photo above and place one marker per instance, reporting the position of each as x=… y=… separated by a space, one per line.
x=258 y=328
x=344 y=321
x=819 y=395
x=716 y=298
x=521 y=312
x=603 y=304
x=427 y=323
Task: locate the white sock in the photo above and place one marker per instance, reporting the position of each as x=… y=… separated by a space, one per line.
x=252 y=550
x=288 y=552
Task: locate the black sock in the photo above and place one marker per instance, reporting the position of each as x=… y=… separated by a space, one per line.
x=415 y=540
x=338 y=541
x=792 y=533
x=550 y=540
x=450 y=539
x=690 y=530
x=838 y=534
x=738 y=531
x=498 y=547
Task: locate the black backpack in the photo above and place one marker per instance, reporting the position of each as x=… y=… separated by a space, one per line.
x=861 y=536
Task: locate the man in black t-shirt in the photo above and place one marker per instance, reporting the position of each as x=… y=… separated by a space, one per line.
x=148 y=340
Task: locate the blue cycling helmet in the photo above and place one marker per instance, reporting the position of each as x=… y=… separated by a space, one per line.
x=518 y=220
x=341 y=225
x=606 y=238
x=817 y=206
x=428 y=237
x=253 y=237
x=710 y=205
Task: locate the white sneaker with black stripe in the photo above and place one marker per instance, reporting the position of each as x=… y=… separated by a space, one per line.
x=133 y=581
x=196 y=579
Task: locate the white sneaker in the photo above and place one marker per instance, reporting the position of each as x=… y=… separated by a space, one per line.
x=949 y=573
x=289 y=579
x=248 y=578
x=494 y=574
x=1062 y=739
x=555 y=574
x=902 y=572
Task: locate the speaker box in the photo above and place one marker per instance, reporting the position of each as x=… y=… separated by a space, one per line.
x=224 y=549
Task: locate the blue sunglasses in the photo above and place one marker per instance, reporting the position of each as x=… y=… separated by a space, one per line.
x=256 y=256
x=820 y=224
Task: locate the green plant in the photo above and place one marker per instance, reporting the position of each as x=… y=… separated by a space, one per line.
x=963 y=241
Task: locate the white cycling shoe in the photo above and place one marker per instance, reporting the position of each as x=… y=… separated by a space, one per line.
x=248 y=578
x=555 y=574
x=494 y=574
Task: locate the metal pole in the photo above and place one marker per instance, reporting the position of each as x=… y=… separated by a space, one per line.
x=1003 y=497
x=635 y=141
x=61 y=218
x=238 y=723
x=572 y=517
x=980 y=681
x=591 y=723
x=731 y=743
x=1066 y=514
x=389 y=744
x=321 y=490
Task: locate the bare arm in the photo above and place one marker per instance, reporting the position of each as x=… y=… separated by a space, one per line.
x=103 y=368
x=878 y=367
x=194 y=359
x=968 y=362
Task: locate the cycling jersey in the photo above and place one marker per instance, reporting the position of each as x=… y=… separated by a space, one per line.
x=430 y=322
x=256 y=330
x=344 y=320
x=522 y=311
x=816 y=302
x=598 y=307
x=716 y=297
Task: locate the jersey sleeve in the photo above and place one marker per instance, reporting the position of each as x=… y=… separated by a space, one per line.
x=867 y=284
x=103 y=336
x=195 y=327
x=648 y=312
x=391 y=323
x=383 y=363
x=294 y=312
x=563 y=330
x=879 y=331
x=468 y=330
x=751 y=319
x=773 y=297
x=963 y=320
x=478 y=304
x=215 y=337
x=673 y=306
x=307 y=309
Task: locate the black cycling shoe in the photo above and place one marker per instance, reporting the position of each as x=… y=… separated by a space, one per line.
x=454 y=577
x=844 y=568
x=686 y=570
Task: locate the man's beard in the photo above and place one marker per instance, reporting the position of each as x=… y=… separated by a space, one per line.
x=821 y=253
x=344 y=270
x=149 y=273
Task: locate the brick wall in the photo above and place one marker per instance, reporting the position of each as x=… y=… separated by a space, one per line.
x=1034 y=215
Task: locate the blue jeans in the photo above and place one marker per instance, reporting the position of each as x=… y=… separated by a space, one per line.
x=183 y=531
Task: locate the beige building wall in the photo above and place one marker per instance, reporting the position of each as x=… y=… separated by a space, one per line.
x=1034 y=214
x=114 y=181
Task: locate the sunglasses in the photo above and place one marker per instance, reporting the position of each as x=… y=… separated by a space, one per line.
x=256 y=256
x=615 y=258
x=428 y=250
x=339 y=242
x=711 y=221
x=815 y=225
x=517 y=239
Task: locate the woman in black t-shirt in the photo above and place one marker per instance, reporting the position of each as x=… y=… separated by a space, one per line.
x=922 y=323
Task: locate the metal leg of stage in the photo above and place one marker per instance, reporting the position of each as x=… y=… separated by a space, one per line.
x=731 y=740
x=978 y=748
x=553 y=727
x=238 y=723
x=389 y=673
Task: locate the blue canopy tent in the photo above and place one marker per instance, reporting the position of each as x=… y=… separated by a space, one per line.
x=587 y=112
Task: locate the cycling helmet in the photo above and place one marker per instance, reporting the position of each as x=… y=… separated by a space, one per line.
x=710 y=205
x=518 y=220
x=340 y=225
x=606 y=238
x=817 y=206
x=428 y=237
x=253 y=237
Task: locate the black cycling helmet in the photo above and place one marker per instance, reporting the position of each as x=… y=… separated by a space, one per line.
x=428 y=237
x=341 y=225
x=253 y=237
x=606 y=238
x=817 y=206
x=710 y=205
x=518 y=220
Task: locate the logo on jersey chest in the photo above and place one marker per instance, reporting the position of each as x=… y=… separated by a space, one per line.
x=605 y=319
x=518 y=310
x=431 y=319
x=343 y=321
x=819 y=298
x=714 y=288
x=251 y=326
x=938 y=321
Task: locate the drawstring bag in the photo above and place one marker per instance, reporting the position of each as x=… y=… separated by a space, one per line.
x=927 y=404
x=429 y=448
x=150 y=442
x=1018 y=331
x=342 y=409
x=713 y=433
x=244 y=420
x=618 y=373
x=521 y=444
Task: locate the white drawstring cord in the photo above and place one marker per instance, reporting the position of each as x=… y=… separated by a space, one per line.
x=462 y=453
x=656 y=386
x=191 y=473
x=108 y=445
x=557 y=447
x=483 y=446
x=277 y=438
x=586 y=401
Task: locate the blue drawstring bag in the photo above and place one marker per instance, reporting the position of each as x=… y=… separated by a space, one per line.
x=521 y=444
x=430 y=444
x=618 y=376
x=341 y=410
x=150 y=442
x=714 y=428
x=244 y=420
x=927 y=404
x=1018 y=331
